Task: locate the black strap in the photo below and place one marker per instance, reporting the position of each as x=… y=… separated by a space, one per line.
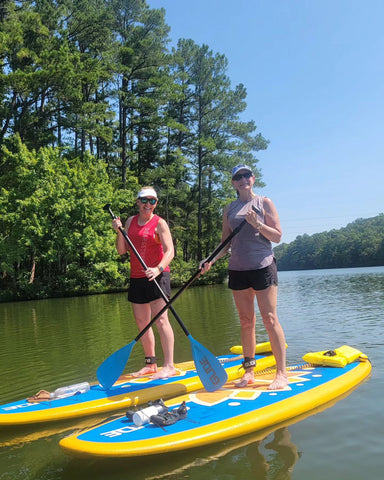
x=150 y=360
x=330 y=353
x=249 y=362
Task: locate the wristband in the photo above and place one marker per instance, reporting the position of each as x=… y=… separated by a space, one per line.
x=160 y=268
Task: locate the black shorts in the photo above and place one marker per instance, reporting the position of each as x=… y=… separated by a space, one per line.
x=141 y=290
x=256 y=279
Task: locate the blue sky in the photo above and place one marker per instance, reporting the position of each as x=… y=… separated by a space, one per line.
x=314 y=74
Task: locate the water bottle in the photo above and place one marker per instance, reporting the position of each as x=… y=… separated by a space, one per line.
x=141 y=417
x=63 y=392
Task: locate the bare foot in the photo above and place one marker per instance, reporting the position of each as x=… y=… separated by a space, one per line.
x=248 y=379
x=41 y=396
x=165 y=372
x=147 y=370
x=279 y=383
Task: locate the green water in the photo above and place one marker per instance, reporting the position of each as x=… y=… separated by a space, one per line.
x=50 y=343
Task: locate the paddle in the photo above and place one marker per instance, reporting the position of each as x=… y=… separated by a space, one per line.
x=209 y=369
x=113 y=366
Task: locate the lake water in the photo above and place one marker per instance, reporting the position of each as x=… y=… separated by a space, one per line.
x=50 y=343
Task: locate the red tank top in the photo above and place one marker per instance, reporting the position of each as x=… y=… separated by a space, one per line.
x=147 y=243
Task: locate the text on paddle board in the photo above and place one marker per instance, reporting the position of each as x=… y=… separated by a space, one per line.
x=121 y=431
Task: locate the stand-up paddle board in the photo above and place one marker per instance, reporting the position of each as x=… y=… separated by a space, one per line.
x=128 y=391
x=202 y=418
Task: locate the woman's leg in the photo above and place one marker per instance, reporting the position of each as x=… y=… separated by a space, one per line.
x=244 y=300
x=166 y=337
x=267 y=302
x=142 y=314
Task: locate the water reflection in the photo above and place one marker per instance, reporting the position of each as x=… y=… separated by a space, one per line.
x=277 y=466
x=260 y=456
x=273 y=458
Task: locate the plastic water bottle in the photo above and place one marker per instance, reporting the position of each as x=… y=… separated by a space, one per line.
x=63 y=392
x=141 y=417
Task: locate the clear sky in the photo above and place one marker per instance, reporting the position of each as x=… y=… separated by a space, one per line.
x=314 y=74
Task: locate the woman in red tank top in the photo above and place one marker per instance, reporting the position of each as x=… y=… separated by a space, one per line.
x=152 y=238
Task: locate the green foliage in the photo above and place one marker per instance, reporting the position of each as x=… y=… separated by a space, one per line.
x=182 y=271
x=54 y=233
x=359 y=244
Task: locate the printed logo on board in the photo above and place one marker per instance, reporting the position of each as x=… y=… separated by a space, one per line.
x=17 y=407
x=121 y=431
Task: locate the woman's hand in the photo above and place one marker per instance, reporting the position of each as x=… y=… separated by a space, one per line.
x=251 y=218
x=205 y=266
x=116 y=223
x=152 y=273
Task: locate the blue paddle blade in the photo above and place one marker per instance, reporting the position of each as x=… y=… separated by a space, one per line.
x=113 y=366
x=208 y=367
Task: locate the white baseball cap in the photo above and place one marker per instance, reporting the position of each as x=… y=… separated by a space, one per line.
x=147 y=192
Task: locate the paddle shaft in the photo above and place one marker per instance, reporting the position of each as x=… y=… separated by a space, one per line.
x=188 y=283
x=163 y=294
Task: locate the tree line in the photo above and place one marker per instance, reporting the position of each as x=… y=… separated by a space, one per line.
x=359 y=244
x=93 y=104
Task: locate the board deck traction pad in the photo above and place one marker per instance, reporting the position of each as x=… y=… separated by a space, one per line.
x=128 y=391
x=227 y=413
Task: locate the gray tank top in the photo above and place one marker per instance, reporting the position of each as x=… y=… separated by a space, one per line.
x=249 y=249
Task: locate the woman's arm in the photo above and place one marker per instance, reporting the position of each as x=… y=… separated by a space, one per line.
x=121 y=243
x=271 y=228
x=165 y=237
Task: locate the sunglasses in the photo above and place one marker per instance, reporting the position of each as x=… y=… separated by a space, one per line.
x=152 y=201
x=239 y=176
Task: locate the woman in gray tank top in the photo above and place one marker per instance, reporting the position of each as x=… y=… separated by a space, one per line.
x=253 y=272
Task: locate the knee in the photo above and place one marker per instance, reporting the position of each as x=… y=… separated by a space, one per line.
x=248 y=323
x=141 y=322
x=270 y=321
x=162 y=323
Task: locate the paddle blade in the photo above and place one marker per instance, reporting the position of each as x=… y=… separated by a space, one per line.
x=208 y=367
x=113 y=366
